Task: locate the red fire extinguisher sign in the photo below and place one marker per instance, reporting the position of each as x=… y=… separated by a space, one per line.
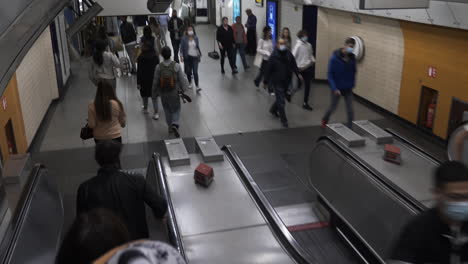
x=430 y=115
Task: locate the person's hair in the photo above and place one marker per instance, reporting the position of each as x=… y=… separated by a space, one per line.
x=102 y=32
x=153 y=21
x=450 y=171
x=102 y=101
x=174 y=10
x=248 y=10
x=266 y=29
x=302 y=33
x=289 y=35
x=99 y=49
x=224 y=18
x=123 y=18
x=238 y=17
x=350 y=41
x=147 y=32
x=166 y=53
x=91 y=235
x=107 y=153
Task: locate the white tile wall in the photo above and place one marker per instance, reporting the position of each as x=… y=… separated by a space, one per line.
x=291 y=17
x=37 y=83
x=380 y=72
x=227 y=11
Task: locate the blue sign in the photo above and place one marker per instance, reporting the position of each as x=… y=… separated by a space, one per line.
x=236 y=7
x=272 y=9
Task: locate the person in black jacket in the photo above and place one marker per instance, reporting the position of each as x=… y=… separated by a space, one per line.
x=226 y=44
x=281 y=66
x=129 y=38
x=147 y=62
x=176 y=30
x=123 y=193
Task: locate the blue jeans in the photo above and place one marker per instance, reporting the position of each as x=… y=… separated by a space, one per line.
x=191 y=67
x=172 y=118
x=348 y=96
x=240 y=47
x=280 y=103
x=155 y=103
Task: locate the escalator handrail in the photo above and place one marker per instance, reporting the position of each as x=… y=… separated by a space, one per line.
x=274 y=221
x=172 y=221
x=19 y=218
x=417 y=149
x=411 y=201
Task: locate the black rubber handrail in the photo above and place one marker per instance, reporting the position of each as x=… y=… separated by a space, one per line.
x=417 y=205
x=274 y=221
x=417 y=149
x=18 y=219
x=173 y=228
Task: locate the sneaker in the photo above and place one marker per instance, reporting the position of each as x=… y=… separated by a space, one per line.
x=190 y=86
x=156 y=116
x=257 y=83
x=272 y=94
x=275 y=114
x=145 y=110
x=175 y=129
x=324 y=123
x=285 y=125
x=246 y=67
x=198 y=89
x=222 y=71
x=235 y=71
x=307 y=107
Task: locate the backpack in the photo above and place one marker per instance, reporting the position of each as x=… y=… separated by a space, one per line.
x=167 y=77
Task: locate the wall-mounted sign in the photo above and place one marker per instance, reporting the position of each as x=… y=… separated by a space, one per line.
x=432 y=72
x=4 y=103
x=259 y=3
x=356 y=19
x=272 y=18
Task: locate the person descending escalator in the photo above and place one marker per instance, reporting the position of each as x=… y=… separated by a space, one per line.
x=440 y=234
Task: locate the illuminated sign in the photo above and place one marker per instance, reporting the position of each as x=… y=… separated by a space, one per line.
x=236 y=8
x=272 y=17
x=259 y=3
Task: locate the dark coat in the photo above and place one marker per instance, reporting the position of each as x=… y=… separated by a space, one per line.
x=225 y=37
x=123 y=193
x=342 y=73
x=280 y=67
x=147 y=63
x=180 y=25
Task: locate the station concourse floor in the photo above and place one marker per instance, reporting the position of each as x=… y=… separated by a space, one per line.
x=230 y=108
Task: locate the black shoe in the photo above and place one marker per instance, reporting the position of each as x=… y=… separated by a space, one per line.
x=222 y=71
x=246 y=67
x=175 y=130
x=257 y=83
x=275 y=114
x=234 y=71
x=285 y=125
x=307 y=107
x=288 y=97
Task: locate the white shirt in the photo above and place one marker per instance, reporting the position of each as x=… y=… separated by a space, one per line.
x=106 y=70
x=192 y=48
x=304 y=54
x=265 y=47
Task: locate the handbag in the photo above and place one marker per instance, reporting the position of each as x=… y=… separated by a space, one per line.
x=258 y=60
x=86 y=132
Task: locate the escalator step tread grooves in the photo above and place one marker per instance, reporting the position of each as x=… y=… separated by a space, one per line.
x=325 y=245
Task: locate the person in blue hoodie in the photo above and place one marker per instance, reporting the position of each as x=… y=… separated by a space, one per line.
x=342 y=78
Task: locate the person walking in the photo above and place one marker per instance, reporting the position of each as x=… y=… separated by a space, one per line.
x=251 y=26
x=281 y=66
x=106 y=114
x=176 y=29
x=191 y=56
x=286 y=35
x=129 y=38
x=225 y=39
x=163 y=23
x=148 y=38
x=342 y=78
x=103 y=64
x=240 y=39
x=169 y=80
x=304 y=54
x=147 y=62
x=157 y=32
x=264 y=48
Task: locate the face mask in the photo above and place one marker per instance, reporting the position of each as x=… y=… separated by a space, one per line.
x=305 y=39
x=457 y=211
x=282 y=47
x=349 y=50
x=190 y=33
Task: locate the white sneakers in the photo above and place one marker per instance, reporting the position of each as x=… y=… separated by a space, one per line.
x=156 y=116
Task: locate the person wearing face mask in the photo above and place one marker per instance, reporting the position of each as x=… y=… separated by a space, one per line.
x=304 y=54
x=281 y=66
x=176 y=30
x=190 y=54
x=342 y=78
x=440 y=234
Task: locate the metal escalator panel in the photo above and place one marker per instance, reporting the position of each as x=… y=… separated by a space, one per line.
x=371 y=210
x=83 y=20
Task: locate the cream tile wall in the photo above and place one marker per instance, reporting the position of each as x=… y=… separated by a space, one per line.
x=291 y=17
x=37 y=83
x=380 y=71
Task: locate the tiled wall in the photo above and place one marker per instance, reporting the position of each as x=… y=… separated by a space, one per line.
x=37 y=83
x=380 y=72
x=291 y=17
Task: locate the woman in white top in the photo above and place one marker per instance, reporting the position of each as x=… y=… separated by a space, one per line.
x=304 y=54
x=190 y=54
x=103 y=64
x=264 y=48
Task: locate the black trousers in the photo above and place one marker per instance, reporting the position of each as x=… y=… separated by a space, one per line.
x=176 y=47
x=251 y=41
x=307 y=76
x=229 y=52
x=280 y=103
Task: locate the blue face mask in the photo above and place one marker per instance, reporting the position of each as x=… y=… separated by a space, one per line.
x=305 y=39
x=457 y=211
x=282 y=47
x=349 y=50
